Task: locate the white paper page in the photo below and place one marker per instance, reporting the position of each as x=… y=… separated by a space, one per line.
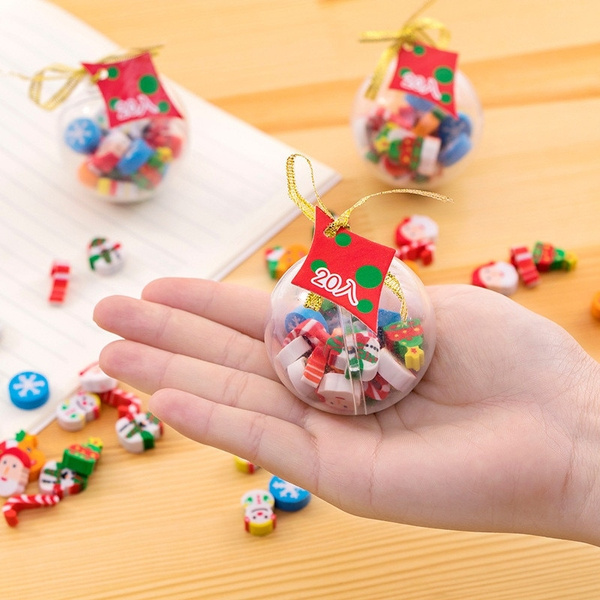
x=228 y=198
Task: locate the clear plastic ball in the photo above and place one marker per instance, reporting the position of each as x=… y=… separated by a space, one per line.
x=409 y=141
x=125 y=163
x=332 y=361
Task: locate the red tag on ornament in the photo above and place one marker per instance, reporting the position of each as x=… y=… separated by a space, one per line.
x=429 y=73
x=347 y=269
x=132 y=90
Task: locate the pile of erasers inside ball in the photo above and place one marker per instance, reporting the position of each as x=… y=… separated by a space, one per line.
x=128 y=162
x=325 y=363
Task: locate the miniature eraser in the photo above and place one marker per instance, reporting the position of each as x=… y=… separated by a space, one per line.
x=259 y=519
x=288 y=497
x=296 y=374
x=498 y=276
x=300 y=315
x=257 y=496
x=291 y=352
x=82 y=458
x=138 y=432
x=15 y=504
x=83 y=135
x=14 y=471
x=245 y=466
x=396 y=374
x=339 y=392
x=94 y=379
x=377 y=389
x=105 y=257
x=29 y=444
x=522 y=259
x=55 y=478
x=77 y=410
x=60 y=273
x=28 y=390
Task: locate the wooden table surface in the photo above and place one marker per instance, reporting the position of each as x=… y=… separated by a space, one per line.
x=167 y=524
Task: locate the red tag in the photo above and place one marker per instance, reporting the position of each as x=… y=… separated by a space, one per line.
x=132 y=90
x=347 y=269
x=429 y=73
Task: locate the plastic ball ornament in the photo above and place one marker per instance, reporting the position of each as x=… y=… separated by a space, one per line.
x=126 y=163
x=332 y=361
x=410 y=141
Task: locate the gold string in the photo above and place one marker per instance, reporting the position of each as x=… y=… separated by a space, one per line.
x=393 y=284
x=342 y=222
x=415 y=30
x=72 y=77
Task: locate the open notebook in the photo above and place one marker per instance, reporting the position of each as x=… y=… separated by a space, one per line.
x=228 y=198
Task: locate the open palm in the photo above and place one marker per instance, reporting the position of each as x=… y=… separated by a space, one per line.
x=489 y=440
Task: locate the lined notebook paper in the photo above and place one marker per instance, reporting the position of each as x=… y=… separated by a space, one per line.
x=228 y=198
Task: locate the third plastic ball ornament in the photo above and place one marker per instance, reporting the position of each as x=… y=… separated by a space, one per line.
x=408 y=140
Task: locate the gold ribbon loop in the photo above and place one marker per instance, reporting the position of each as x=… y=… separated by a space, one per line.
x=73 y=77
x=51 y=73
x=414 y=31
x=341 y=222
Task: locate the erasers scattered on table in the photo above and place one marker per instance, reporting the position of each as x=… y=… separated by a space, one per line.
x=524 y=266
x=56 y=480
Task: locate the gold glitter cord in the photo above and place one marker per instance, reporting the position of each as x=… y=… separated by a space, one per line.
x=313 y=301
x=72 y=77
x=308 y=210
x=394 y=285
x=415 y=30
x=343 y=221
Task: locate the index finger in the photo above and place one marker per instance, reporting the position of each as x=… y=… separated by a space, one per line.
x=235 y=306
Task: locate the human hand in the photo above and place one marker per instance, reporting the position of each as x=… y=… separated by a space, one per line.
x=501 y=434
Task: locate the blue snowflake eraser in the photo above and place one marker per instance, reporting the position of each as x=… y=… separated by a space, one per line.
x=288 y=497
x=83 y=135
x=28 y=390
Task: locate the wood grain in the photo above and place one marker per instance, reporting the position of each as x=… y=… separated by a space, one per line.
x=167 y=524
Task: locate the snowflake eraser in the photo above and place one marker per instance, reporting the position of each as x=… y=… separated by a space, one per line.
x=28 y=390
x=288 y=497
